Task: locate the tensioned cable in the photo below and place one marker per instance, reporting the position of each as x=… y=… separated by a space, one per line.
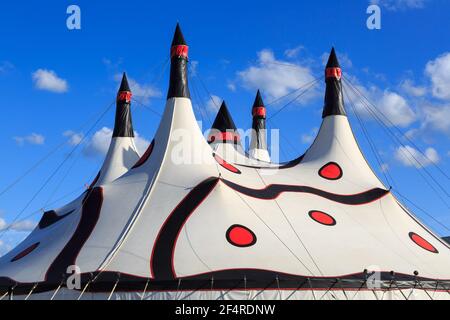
x=292 y=227
x=394 y=126
x=42 y=160
x=397 y=140
x=302 y=93
x=366 y=135
x=423 y=210
x=147 y=107
x=55 y=171
x=274 y=233
x=292 y=92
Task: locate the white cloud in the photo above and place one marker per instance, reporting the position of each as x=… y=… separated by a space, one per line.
x=437 y=118
x=438 y=71
x=293 y=52
x=231 y=86
x=48 y=80
x=308 y=138
x=74 y=137
x=98 y=145
x=411 y=157
x=395 y=5
x=392 y=105
x=276 y=77
x=34 y=138
x=5 y=66
x=384 y=167
x=19 y=226
x=144 y=92
x=213 y=104
x=193 y=67
x=416 y=91
x=396 y=109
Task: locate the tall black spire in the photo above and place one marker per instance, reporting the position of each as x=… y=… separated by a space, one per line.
x=258 y=140
x=123 y=126
x=223 y=128
x=334 y=99
x=178 y=85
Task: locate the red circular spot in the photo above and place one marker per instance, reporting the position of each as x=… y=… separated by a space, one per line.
x=322 y=217
x=25 y=252
x=226 y=165
x=240 y=236
x=421 y=242
x=331 y=171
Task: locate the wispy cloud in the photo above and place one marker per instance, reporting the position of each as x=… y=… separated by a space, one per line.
x=293 y=52
x=48 y=80
x=395 y=5
x=438 y=70
x=276 y=77
x=5 y=66
x=308 y=138
x=143 y=91
x=33 y=138
x=19 y=226
x=98 y=145
x=74 y=138
x=411 y=157
x=213 y=104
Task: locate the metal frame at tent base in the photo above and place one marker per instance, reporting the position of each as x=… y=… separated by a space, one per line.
x=110 y=282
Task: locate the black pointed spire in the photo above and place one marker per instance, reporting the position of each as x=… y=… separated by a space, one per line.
x=124 y=86
x=223 y=128
x=258 y=139
x=178 y=85
x=334 y=99
x=178 y=38
x=123 y=126
x=333 y=60
x=258 y=109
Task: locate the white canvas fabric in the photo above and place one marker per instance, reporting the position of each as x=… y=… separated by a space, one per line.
x=195 y=221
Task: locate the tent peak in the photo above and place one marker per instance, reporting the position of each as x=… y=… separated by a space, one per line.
x=124 y=86
x=178 y=38
x=333 y=60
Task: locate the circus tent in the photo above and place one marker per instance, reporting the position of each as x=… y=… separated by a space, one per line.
x=190 y=220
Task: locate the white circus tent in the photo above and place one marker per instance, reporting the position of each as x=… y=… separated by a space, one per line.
x=186 y=222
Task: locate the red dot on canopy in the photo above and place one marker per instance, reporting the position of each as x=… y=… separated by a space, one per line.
x=331 y=171
x=322 y=218
x=240 y=236
x=226 y=165
x=421 y=242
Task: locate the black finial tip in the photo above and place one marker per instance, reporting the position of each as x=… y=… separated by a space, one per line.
x=124 y=86
x=178 y=38
x=224 y=106
x=333 y=60
x=258 y=100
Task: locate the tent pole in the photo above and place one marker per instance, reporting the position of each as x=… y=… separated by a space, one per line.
x=114 y=288
x=85 y=287
x=57 y=289
x=31 y=291
x=310 y=286
x=145 y=289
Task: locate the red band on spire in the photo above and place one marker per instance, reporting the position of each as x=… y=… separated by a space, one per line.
x=224 y=136
x=179 y=51
x=259 y=112
x=124 y=96
x=333 y=73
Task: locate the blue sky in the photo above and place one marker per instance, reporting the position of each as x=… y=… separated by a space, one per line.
x=55 y=83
